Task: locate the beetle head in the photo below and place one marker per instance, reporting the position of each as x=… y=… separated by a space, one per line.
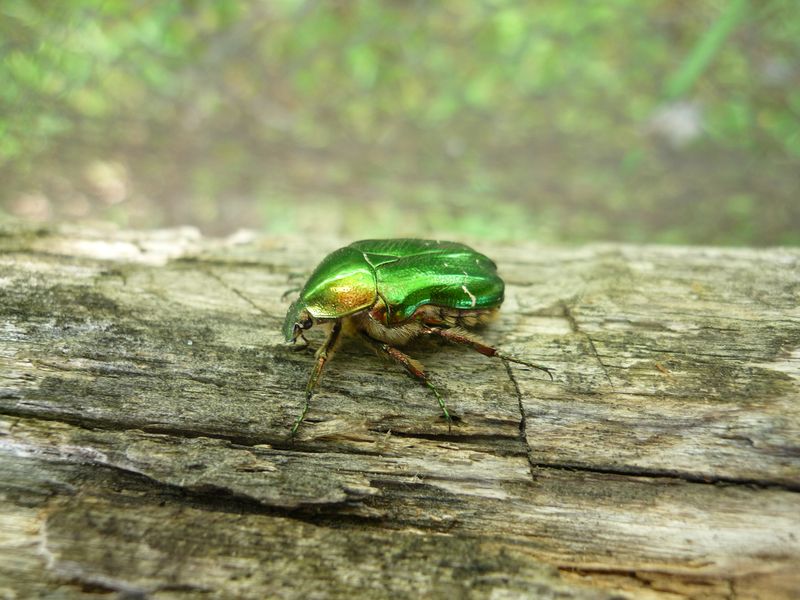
x=298 y=319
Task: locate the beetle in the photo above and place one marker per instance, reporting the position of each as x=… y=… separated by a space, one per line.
x=388 y=292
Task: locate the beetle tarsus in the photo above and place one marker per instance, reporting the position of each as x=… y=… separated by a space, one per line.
x=442 y=406
x=299 y=419
x=504 y=356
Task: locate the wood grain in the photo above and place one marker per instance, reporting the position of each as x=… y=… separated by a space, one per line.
x=146 y=398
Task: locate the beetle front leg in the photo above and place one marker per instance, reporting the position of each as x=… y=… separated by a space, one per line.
x=320 y=358
x=459 y=336
x=412 y=367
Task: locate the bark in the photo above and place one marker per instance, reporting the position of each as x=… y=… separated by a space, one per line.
x=146 y=398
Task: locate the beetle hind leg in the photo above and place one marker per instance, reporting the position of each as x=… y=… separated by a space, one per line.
x=412 y=367
x=465 y=338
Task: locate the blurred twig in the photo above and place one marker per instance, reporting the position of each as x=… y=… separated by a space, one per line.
x=705 y=50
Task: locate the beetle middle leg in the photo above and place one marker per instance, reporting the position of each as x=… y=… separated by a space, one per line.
x=289 y=292
x=412 y=367
x=459 y=336
x=320 y=358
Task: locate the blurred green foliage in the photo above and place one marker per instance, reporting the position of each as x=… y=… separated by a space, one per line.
x=487 y=119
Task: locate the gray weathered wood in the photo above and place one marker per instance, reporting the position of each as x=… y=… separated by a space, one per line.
x=146 y=398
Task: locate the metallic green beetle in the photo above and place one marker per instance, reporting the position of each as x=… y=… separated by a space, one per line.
x=387 y=292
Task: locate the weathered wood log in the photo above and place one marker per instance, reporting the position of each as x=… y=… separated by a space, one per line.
x=146 y=398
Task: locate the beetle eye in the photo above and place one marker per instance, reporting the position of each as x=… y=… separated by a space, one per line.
x=307 y=323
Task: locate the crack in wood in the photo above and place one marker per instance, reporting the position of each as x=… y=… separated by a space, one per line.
x=676 y=475
x=293 y=446
x=523 y=423
x=575 y=326
x=674 y=584
x=96 y=423
x=234 y=290
x=445 y=437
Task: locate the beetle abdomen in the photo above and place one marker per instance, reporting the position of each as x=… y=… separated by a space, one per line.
x=440 y=315
x=374 y=324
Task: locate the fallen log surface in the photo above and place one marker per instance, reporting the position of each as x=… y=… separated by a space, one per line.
x=146 y=398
